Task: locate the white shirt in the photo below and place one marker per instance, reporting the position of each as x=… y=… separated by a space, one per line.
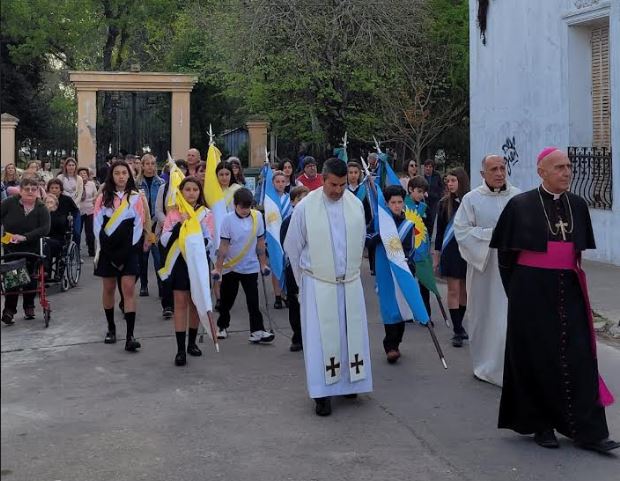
x=237 y=230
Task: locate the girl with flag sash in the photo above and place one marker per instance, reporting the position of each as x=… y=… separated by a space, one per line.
x=175 y=244
x=228 y=183
x=277 y=205
x=118 y=223
x=447 y=256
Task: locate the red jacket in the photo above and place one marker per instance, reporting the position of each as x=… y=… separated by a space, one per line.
x=312 y=184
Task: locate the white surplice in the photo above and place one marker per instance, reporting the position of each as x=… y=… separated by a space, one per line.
x=297 y=250
x=487 y=305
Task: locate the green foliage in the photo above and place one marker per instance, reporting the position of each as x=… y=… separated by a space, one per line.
x=314 y=73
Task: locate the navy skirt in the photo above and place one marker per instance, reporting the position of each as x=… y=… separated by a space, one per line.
x=451 y=264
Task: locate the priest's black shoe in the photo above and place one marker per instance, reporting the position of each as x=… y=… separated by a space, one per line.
x=110 y=337
x=193 y=350
x=180 y=359
x=323 y=406
x=604 y=446
x=546 y=439
x=457 y=341
x=296 y=347
x=132 y=345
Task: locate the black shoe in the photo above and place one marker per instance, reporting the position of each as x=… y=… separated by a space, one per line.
x=296 y=347
x=28 y=313
x=604 y=446
x=180 y=359
x=193 y=350
x=278 y=303
x=457 y=341
x=144 y=291
x=110 y=337
x=167 y=313
x=8 y=319
x=546 y=439
x=216 y=308
x=350 y=396
x=323 y=406
x=131 y=345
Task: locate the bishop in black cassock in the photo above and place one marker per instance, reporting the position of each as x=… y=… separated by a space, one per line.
x=551 y=379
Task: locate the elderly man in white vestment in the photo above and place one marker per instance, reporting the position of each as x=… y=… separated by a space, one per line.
x=324 y=243
x=487 y=304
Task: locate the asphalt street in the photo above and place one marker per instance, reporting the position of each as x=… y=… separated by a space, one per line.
x=74 y=409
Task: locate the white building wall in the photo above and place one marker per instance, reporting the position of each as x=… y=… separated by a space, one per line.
x=528 y=82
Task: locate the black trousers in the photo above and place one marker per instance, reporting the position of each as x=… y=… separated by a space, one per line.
x=228 y=293
x=12 y=295
x=393 y=336
x=87 y=225
x=294 y=311
x=371 y=257
x=426 y=297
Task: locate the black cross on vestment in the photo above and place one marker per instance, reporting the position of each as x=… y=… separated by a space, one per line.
x=358 y=362
x=332 y=366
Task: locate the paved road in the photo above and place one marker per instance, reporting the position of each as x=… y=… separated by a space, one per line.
x=74 y=409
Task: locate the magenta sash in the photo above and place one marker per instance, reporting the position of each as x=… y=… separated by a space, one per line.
x=562 y=255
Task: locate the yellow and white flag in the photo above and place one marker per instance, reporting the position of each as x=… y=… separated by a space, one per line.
x=214 y=195
x=176 y=177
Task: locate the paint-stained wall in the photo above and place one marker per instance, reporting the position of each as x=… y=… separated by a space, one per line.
x=530 y=89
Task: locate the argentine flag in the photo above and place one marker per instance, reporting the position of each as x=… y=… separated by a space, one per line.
x=399 y=292
x=273 y=221
x=390 y=176
x=214 y=196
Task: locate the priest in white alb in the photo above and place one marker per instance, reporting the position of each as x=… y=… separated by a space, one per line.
x=324 y=243
x=486 y=304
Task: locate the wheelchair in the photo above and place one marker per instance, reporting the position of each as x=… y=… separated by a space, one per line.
x=63 y=263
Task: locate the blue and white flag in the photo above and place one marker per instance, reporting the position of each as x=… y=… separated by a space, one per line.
x=399 y=292
x=390 y=176
x=273 y=221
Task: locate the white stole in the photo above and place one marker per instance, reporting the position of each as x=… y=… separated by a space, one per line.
x=326 y=283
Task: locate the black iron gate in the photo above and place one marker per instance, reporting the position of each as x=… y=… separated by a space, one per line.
x=592 y=175
x=133 y=123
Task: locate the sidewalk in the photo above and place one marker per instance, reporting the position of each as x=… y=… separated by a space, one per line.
x=604 y=285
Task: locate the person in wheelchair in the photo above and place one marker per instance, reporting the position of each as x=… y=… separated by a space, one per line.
x=57 y=240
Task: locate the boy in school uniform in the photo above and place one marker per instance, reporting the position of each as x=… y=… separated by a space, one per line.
x=292 y=290
x=240 y=259
x=416 y=201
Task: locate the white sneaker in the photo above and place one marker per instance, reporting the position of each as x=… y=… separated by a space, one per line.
x=261 y=336
x=222 y=334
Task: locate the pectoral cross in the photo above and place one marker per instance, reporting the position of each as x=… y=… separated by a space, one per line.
x=358 y=362
x=562 y=227
x=332 y=366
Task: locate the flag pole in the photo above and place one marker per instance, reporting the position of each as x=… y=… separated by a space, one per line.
x=443 y=309
x=437 y=346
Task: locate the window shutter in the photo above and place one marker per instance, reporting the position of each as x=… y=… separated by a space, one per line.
x=601 y=98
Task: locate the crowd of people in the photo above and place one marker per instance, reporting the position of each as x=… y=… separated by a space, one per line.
x=527 y=336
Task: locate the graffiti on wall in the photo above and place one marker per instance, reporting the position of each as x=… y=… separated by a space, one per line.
x=511 y=156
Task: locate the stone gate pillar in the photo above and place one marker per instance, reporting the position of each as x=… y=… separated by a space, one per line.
x=87 y=128
x=257 y=133
x=9 y=124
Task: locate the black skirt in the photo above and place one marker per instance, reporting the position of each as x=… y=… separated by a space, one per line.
x=105 y=267
x=451 y=264
x=179 y=278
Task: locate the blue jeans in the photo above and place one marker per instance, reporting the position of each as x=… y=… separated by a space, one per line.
x=77 y=230
x=144 y=266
